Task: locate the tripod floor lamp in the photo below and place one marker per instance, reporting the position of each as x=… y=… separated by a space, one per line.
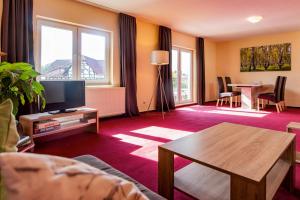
x=160 y=58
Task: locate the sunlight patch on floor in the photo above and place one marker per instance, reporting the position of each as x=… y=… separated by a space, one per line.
x=229 y=111
x=148 y=150
x=161 y=132
x=236 y=113
x=189 y=109
x=243 y=110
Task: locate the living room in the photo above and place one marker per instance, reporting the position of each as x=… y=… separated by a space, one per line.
x=175 y=99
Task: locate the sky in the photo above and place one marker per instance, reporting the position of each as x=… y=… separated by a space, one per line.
x=57 y=44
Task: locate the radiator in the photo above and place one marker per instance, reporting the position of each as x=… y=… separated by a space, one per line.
x=108 y=101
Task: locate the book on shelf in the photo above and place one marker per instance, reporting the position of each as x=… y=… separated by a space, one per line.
x=46 y=124
x=69 y=118
x=43 y=130
x=24 y=140
x=87 y=120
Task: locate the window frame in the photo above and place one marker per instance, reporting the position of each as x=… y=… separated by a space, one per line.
x=179 y=75
x=76 y=54
x=81 y=30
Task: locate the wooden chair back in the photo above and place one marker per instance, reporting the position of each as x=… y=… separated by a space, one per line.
x=228 y=81
x=221 y=87
x=282 y=92
x=278 y=88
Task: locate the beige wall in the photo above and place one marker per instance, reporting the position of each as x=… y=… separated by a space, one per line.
x=147 y=40
x=76 y=12
x=183 y=40
x=228 y=63
x=187 y=41
x=221 y=58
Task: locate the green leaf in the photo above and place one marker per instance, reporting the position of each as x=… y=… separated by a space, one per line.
x=28 y=91
x=20 y=66
x=15 y=105
x=22 y=99
x=43 y=102
x=37 y=87
x=14 y=89
x=17 y=82
x=29 y=74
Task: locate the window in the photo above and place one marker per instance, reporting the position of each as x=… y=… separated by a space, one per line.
x=182 y=75
x=72 y=52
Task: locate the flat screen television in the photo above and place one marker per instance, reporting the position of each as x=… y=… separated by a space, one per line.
x=63 y=96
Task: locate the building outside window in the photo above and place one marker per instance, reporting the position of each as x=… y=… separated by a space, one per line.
x=73 y=52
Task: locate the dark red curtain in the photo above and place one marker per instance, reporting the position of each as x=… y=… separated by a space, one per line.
x=17 y=31
x=200 y=71
x=128 y=62
x=17 y=37
x=165 y=43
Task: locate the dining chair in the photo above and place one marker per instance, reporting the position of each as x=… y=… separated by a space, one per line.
x=276 y=97
x=230 y=89
x=282 y=93
x=222 y=94
x=269 y=93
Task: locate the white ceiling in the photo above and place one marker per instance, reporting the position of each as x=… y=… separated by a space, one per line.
x=216 y=19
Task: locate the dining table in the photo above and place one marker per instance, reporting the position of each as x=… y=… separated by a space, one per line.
x=248 y=94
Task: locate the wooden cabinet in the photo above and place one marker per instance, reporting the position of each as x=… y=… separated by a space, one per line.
x=87 y=119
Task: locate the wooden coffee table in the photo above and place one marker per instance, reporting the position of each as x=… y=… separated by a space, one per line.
x=290 y=128
x=230 y=161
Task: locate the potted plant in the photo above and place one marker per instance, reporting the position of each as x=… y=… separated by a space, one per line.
x=18 y=83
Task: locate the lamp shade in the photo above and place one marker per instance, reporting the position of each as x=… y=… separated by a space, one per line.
x=160 y=57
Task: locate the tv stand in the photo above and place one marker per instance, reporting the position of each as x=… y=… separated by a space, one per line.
x=88 y=119
x=62 y=111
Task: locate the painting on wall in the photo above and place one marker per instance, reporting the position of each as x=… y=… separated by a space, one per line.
x=266 y=58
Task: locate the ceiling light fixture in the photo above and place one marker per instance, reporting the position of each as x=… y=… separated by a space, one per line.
x=254 y=19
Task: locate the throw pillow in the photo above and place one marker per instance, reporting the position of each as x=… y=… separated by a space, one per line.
x=33 y=176
x=9 y=136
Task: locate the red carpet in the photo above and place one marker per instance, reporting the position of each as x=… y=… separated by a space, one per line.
x=130 y=144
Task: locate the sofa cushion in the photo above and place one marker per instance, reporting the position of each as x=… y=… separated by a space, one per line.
x=34 y=176
x=268 y=96
x=95 y=162
x=9 y=136
x=229 y=94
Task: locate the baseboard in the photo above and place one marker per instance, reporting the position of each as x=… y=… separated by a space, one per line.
x=215 y=101
x=180 y=106
x=212 y=101
x=184 y=105
x=113 y=116
x=293 y=106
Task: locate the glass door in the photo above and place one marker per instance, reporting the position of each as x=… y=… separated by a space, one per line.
x=182 y=73
x=175 y=74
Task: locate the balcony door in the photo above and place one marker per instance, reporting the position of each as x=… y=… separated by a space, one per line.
x=182 y=75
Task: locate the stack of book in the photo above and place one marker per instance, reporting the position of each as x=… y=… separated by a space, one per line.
x=24 y=141
x=46 y=125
